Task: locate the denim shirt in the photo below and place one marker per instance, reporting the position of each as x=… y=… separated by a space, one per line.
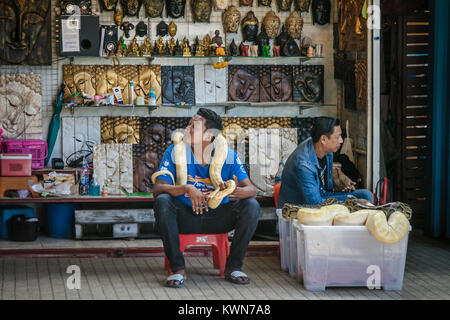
x=301 y=181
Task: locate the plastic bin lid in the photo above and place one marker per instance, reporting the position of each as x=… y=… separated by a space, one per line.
x=16 y=156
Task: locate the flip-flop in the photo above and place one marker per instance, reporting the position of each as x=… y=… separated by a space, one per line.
x=175 y=277
x=235 y=275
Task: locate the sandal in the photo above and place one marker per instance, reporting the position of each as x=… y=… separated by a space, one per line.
x=235 y=275
x=175 y=277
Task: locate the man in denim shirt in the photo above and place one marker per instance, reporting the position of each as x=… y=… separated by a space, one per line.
x=307 y=175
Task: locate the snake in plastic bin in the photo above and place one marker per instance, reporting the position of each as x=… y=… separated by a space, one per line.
x=215 y=168
x=388 y=223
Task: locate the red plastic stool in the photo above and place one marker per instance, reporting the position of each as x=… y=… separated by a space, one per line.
x=220 y=248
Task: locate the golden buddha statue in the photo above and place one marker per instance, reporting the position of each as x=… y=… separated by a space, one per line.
x=172 y=46
x=146 y=47
x=133 y=49
x=200 y=50
x=161 y=46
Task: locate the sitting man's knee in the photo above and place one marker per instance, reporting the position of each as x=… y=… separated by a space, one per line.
x=162 y=200
x=252 y=208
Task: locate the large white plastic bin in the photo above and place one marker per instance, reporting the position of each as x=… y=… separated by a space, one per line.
x=283 y=231
x=293 y=249
x=347 y=256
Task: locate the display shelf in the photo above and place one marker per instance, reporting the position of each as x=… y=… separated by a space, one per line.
x=92 y=199
x=226 y=105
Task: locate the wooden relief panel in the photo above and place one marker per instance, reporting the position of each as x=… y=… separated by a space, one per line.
x=350 y=85
x=243 y=83
x=20 y=106
x=303 y=126
x=25 y=35
x=264 y=158
x=308 y=83
x=126 y=167
x=79 y=134
x=113 y=168
x=146 y=161
x=281 y=83
x=264 y=84
x=99 y=162
x=178 y=84
x=210 y=84
x=120 y=130
x=98 y=80
x=352 y=26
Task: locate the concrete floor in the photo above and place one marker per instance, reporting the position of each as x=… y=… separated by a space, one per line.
x=427 y=276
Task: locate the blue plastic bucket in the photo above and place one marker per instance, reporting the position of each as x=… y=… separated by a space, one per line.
x=60 y=220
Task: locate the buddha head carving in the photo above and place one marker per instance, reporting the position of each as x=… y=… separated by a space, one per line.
x=25 y=32
x=201 y=10
x=271 y=23
x=20 y=105
x=294 y=25
x=108 y=5
x=154 y=8
x=175 y=8
x=284 y=5
x=131 y=7
x=302 y=5
x=231 y=19
x=321 y=11
x=250 y=26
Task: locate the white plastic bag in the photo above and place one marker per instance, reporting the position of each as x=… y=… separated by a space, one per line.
x=347 y=145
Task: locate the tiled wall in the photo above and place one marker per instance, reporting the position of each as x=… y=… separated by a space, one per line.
x=52 y=75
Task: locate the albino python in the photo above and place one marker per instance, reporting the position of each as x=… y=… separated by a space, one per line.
x=215 y=168
x=388 y=223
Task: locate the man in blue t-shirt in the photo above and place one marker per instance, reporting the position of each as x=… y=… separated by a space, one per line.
x=183 y=208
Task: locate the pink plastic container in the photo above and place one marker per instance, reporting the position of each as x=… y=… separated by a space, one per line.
x=37 y=148
x=15 y=165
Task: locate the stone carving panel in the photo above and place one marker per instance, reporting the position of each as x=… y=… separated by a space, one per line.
x=308 y=83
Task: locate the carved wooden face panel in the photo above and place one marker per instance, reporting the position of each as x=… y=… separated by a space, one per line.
x=20 y=106
x=309 y=83
x=99 y=80
x=201 y=10
x=264 y=3
x=153 y=8
x=131 y=7
x=25 y=36
x=154 y=131
x=146 y=161
x=281 y=83
x=210 y=84
x=120 y=130
x=178 y=84
x=245 y=3
x=175 y=8
x=108 y=5
x=243 y=83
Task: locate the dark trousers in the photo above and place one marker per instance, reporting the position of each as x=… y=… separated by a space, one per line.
x=173 y=217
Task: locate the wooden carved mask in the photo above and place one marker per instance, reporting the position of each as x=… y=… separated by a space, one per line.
x=154 y=8
x=25 y=35
x=201 y=10
x=175 y=8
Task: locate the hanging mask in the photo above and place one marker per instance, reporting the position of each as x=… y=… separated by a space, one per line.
x=172 y=29
x=302 y=5
x=250 y=26
x=108 y=5
x=153 y=8
x=321 y=11
x=220 y=4
x=162 y=29
x=126 y=27
x=131 y=7
x=271 y=24
x=201 y=10
x=141 y=29
x=246 y=3
x=284 y=5
x=231 y=19
x=175 y=8
x=294 y=25
x=264 y=3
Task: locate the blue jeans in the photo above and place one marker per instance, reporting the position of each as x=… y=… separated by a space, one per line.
x=358 y=194
x=173 y=217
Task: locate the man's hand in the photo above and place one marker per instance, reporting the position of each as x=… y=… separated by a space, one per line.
x=197 y=199
x=350 y=187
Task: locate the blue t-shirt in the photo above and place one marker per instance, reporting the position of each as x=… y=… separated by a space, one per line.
x=199 y=175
